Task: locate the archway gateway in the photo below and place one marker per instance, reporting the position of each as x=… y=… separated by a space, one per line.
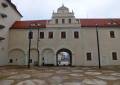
x=64 y=57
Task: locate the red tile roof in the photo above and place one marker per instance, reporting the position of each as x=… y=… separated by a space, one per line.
x=100 y=22
x=29 y=24
x=83 y=23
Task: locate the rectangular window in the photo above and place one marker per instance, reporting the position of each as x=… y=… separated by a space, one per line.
x=89 y=56
x=63 y=21
x=114 y=55
x=63 y=34
x=41 y=35
x=11 y=61
x=30 y=60
x=112 y=34
x=69 y=21
x=56 y=21
x=50 y=36
x=76 y=34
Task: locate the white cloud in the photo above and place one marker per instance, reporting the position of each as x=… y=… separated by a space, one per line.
x=42 y=9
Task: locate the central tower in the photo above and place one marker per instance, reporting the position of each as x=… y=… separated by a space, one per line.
x=63 y=18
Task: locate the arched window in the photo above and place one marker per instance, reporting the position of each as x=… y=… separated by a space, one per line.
x=112 y=34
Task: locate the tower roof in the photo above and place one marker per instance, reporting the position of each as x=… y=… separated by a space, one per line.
x=63 y=8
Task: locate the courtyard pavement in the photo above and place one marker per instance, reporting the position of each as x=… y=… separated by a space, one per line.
x=16 y=75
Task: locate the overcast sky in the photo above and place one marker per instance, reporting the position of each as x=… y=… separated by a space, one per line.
x=42 y=9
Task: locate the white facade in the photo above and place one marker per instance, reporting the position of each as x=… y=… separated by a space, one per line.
x=7 y=17
x=78 y=48
x=87 y=42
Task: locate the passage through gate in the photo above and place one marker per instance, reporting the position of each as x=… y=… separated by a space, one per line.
x=64 y=57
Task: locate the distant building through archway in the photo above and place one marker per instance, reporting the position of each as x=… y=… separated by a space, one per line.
x=64 y=57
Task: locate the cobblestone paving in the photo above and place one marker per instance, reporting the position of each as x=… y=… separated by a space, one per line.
x=14 y=75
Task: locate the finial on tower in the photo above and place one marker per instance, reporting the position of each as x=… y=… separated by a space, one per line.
x=72 y=11
x=53 y=12
x=62 y=3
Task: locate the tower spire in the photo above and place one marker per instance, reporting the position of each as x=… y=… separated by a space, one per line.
x=62 y=3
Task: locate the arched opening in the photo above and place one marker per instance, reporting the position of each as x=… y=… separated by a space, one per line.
x=64 y=57
x=16 y=57
x=48 y=57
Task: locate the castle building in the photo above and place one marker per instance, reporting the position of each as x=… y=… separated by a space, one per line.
x=64 y=40
x=8 y=15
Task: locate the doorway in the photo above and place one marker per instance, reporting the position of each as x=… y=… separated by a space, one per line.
x=64 y=57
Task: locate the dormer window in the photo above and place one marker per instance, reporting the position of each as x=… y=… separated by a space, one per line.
x=32 y=24
x=63 y=21
x=2 y=26
x=4 y=5
x=56 y=21
x=3 y=15
x=38 y=24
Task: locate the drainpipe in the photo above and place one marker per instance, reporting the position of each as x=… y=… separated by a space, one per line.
x=30 y=36
x=98 y=46
x=38 y=47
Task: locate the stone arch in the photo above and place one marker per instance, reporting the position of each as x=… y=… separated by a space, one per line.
x=16 y=57
x=48 y=57
x=34 y=56
x=69 y=52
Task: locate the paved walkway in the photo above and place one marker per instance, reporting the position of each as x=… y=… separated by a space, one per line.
x=59 y=76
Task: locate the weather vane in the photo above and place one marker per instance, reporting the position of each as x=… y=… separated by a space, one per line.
x=62 y=2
